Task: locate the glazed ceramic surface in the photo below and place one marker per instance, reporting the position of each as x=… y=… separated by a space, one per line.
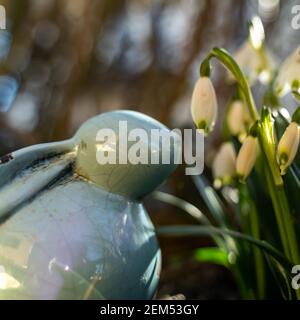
x=73 y=229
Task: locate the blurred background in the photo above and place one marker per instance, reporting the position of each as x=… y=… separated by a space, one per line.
x=63 y=61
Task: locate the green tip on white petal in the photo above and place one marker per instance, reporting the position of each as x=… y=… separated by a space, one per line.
x=241 y=178
x=204 y=128
x=283 y=160
x=202 y=125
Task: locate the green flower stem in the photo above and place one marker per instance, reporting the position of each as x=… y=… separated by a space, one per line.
x=223 y=56
x=258 y=257
x=278 y=213
x=272 y=162
x=267 y=143
x=278 y=196
x=280 y=193
x=279 y=199
x=284 y=222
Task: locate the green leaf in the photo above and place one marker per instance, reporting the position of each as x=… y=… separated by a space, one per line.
x=296 y=116
x=187 y=230
x=211 y=199
x=261 y=199
x=267 y=143
x=189 y=208
x=292 y=177
x=282 y=277
x=213 y=255
x=292 y=187
x=216 y=208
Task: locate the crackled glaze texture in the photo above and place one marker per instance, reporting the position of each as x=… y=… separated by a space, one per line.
x=72 y=229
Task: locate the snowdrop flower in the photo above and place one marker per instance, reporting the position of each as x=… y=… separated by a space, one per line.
x=289 y=73
x=253 y=64
x=288 y=146
x=223 y=166
x=204 y=104
x=246 y=157
x=237 y=118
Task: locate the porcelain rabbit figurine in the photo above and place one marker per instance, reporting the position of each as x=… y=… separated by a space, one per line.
x=73 y=229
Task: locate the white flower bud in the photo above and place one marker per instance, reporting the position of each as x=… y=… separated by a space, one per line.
x=246 y=157
x=288 y=146
x=204 y=104
x=237 y=118
x=289 y=73
x=223 y=166
x=256 y=33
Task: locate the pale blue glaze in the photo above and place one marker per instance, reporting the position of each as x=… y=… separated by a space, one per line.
x=71 y=232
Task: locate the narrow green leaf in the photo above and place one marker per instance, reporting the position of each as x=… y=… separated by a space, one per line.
x=189 y=208
x=212 y=255
x=187 y=230
x=282 y=277
x=211 y=199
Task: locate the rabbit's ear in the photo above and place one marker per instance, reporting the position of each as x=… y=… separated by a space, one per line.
x=14 y=163
x=28 y=171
